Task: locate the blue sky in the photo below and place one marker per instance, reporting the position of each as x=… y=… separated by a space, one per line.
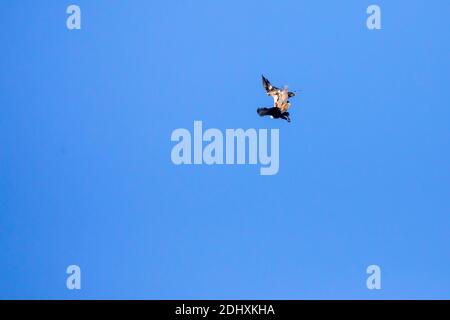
x=86 y=176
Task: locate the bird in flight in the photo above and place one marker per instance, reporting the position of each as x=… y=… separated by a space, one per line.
x=280 y=101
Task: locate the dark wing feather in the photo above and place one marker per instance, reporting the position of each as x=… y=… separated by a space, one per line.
x=270 y=89
x=263 y=111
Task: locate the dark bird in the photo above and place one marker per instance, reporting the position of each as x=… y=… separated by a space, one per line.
x=280 y=101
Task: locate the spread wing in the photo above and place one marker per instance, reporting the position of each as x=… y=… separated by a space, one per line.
x=263 y=111
x=270 y=89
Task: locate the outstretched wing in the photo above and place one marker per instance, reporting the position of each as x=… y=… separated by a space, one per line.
x=270 y=89
x=263 y=111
